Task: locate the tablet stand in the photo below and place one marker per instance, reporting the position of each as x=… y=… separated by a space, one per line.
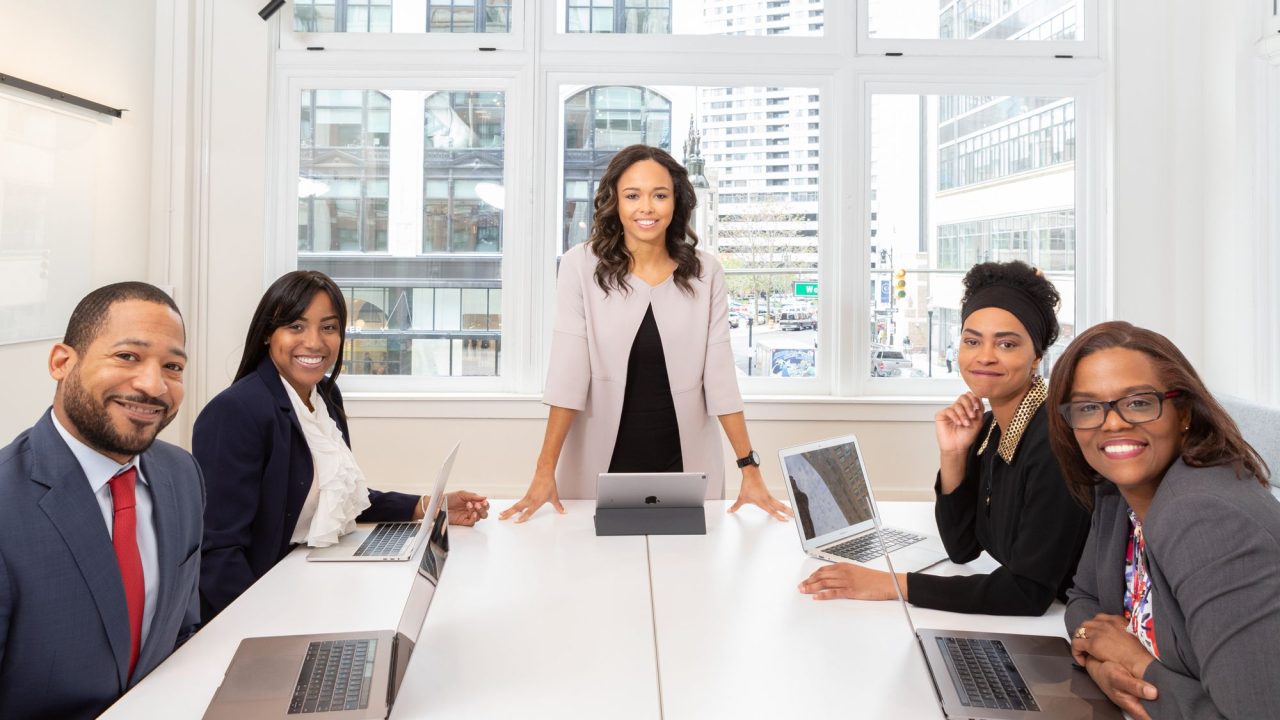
x=651 y=521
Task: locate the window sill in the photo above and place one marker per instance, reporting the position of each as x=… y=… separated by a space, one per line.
x=500 y=406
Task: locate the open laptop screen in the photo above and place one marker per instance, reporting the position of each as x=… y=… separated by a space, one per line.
x=828 y=485
x=427 y=577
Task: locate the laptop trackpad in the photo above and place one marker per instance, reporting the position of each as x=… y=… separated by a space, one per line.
x=256 y=678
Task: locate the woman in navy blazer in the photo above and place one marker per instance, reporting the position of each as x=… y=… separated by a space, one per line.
x=252 y=448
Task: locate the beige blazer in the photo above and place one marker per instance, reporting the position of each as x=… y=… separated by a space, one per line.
x=588 y=372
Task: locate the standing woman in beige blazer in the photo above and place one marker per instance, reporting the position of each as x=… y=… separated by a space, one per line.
x=641 y=366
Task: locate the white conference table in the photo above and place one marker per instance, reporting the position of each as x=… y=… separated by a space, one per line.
x=546 y=620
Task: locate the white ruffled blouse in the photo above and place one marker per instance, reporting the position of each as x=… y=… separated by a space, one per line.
x=338 y=491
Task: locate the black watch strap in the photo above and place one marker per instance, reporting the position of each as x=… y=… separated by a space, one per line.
x=752 y=458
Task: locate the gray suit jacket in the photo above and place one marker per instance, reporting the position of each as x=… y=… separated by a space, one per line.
x=1213 y=550
x=64 y=625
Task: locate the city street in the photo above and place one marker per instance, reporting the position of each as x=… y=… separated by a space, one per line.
x=775 y=339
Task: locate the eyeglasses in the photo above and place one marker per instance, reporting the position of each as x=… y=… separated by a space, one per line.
x=1134 y=409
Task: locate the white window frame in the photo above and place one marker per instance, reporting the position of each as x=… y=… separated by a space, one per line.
x=531 y=79
x=516 y=286
x=515 y=40
x=824 y=84
x=1092 y=250
x=1086 y=47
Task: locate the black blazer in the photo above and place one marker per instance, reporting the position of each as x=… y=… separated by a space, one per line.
x=64 y=621
x=258 y=469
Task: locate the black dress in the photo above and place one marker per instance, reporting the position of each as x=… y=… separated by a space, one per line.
x=648 y=434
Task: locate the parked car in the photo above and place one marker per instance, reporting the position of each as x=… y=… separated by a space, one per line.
x=888 y=363
x=797 y=319
x=734 y=319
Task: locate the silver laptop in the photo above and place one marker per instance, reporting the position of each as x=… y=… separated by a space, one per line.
x=830 y=494
x=1000 y=676
x=334 y=675
x=386 y=540
x=645 y=490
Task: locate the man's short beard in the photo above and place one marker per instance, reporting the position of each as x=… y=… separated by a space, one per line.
x=94 y=423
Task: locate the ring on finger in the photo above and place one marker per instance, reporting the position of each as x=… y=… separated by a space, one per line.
x=1082 y=633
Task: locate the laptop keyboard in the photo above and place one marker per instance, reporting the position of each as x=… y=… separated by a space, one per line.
x=336 y=676
x=866 y=548
x=988 y=677
x=388 y=538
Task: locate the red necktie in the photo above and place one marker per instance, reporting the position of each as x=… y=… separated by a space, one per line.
x=124 y=536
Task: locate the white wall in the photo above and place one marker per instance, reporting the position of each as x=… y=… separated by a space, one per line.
x=1190 y=247
x=104 y=52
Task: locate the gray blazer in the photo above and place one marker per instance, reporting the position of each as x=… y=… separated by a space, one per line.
x=588 y=368
x=64 y=623
x=1213 y=551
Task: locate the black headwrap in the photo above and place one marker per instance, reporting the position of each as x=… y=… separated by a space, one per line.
x=1036 y=318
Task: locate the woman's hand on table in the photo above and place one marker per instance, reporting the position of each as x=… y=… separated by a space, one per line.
x=852 y=582
x=466 y=508
x=754 y=492
x=542 y=490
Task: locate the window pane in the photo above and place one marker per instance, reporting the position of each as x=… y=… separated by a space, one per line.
x=402 y=16
x=693 y=17
x=975 y=19
x=760 y=218
x=955 y=181
x=421 y=278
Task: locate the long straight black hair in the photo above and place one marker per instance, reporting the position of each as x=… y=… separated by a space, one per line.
x=283 y=303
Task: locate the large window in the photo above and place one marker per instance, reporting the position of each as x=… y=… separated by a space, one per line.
x=413 y=231
x=441 y=174
x=758 y=208
x=957 y=180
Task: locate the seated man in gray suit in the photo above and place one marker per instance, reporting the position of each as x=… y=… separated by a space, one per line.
x=100 y=524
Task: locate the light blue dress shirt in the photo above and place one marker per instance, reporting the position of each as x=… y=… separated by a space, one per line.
x=99 y=469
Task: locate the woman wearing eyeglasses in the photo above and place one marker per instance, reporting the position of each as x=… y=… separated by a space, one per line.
x=1175 y=610
x=998 y=486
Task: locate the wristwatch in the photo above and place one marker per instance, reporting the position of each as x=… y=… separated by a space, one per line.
x=752 y=458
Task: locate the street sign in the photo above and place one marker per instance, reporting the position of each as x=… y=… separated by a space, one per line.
x=884 y=292
x=806 y=289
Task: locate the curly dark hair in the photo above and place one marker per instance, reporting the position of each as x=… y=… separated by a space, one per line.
x=607 y=241
x=1212 y=437
x=1028 y=282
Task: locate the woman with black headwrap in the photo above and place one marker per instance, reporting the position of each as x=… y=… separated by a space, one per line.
x=999 y=488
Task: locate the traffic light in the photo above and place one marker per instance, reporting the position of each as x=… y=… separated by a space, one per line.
x=900 y=283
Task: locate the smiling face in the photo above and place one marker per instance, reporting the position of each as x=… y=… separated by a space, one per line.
x=126 y=385
x=1133 y=457
x=997 y=359
x=306 y=348
x=646 y=203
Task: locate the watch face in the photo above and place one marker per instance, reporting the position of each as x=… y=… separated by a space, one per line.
x=755 y=457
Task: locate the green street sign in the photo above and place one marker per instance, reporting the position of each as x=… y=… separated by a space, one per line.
x=806 y=289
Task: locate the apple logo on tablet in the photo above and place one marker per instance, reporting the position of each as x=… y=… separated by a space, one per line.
x=651 y=500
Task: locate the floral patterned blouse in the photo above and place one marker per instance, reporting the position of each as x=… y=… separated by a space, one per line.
x=1138 y=591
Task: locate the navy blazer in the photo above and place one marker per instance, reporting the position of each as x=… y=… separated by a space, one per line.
x=64 y=621
x=258 y=466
